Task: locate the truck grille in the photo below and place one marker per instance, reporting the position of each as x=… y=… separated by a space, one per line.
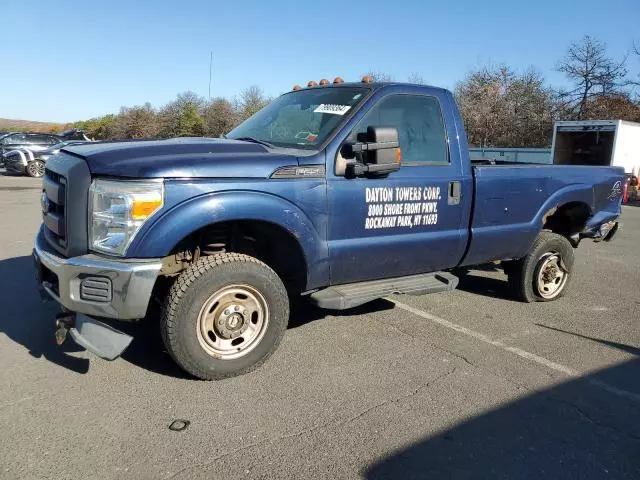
x=65 y=189
x=53 y=201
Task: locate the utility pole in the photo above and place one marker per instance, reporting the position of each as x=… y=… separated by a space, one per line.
x=210 y=66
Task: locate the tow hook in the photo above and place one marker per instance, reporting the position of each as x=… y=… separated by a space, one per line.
x=64 y=321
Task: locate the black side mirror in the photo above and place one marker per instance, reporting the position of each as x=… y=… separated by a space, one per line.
x=382 y=149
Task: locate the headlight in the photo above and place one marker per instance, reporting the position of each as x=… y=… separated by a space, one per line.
x=117 y=210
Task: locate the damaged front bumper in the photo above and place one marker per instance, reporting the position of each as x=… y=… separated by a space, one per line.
x=91 y=286
x=95 y=336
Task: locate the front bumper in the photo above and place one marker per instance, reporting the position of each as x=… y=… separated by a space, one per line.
x=131 y=281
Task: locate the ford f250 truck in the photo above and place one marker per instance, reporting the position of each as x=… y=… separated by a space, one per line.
x=341 y=192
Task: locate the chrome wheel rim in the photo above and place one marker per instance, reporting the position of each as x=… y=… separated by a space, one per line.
x=36 y=169
x=232 y=322
x=551 y=277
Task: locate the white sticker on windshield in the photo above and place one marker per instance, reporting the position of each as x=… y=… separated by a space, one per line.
x=331 y=108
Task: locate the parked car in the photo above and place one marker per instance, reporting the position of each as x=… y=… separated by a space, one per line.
x=33 y=141
x=2 y=135
x=25 y=161
x=342 y=193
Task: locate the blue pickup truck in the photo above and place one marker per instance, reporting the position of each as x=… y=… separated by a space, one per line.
x=340 y=192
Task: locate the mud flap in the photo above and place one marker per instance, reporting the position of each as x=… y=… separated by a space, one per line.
x=99 y=338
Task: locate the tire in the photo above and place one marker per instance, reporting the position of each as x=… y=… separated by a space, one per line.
x=543 y=275
x=210 y=304
x=35 y=169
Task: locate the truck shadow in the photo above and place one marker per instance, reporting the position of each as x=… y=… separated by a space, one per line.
x=29 y=322
x=304 y=312
x=476 y=281
x=585 y=428
x=147 y=350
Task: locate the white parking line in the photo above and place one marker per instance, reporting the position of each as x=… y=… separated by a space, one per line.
x=515 y=350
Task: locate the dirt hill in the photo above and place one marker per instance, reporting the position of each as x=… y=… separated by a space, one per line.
x=8 y=125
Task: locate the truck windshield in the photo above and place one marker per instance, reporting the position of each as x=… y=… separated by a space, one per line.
x=301 y=119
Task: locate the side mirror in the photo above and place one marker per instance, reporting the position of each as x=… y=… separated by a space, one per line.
x=383 y=154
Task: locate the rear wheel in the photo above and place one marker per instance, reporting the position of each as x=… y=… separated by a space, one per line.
x=224 y=316
x=544 y=273
x=35 y=169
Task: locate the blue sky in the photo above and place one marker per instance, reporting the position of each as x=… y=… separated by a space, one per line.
x=71 y=60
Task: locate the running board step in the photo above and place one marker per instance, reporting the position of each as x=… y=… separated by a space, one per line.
x=342 y=297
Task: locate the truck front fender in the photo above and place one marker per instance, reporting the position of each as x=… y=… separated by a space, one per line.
x=162 y=235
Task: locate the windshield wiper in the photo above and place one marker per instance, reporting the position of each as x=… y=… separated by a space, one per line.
x=255 y=140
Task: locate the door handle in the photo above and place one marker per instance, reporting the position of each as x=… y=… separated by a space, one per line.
x=455 y=192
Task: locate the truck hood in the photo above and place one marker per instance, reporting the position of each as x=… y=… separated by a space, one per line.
x=181 y=157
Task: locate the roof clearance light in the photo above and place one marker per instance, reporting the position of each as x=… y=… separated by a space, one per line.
x=312 y=83
x=324 y=81
x=338 y=80
x=367 y=79
x=297 y=87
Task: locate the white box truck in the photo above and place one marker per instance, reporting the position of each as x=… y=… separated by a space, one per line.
x=597 y=142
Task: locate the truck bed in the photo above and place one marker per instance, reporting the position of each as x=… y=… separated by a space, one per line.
x=511 y=203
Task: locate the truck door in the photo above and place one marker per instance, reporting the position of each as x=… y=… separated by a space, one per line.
x=413 y=220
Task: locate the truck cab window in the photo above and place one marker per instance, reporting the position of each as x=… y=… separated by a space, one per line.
x=301 y=119
x=420 y=126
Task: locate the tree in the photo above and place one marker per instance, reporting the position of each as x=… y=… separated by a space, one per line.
x=99 y=128
x=190 y=123
x=592 y=73
x=379 y=76
x=136 y=122
x=530 y=110
x=250 y=101
x=104 y=127
x=415 y=77
x=219 y=117
x=619 y=107
x=478 y=97
x=635 y=83
x=181 y=117
x=502 y=108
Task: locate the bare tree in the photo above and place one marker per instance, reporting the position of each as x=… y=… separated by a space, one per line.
x=251 y=100
x=506 y=109
x=415 y=77
x=379 y=76
x=592 y=73
x=635 y=83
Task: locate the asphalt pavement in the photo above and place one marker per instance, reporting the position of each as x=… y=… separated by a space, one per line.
x=468 y=384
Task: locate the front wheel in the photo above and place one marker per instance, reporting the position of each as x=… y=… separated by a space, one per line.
x=224 y=316
x=544 y=273
x=35 y=169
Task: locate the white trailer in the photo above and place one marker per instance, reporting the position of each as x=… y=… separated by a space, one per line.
x=597 y=142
